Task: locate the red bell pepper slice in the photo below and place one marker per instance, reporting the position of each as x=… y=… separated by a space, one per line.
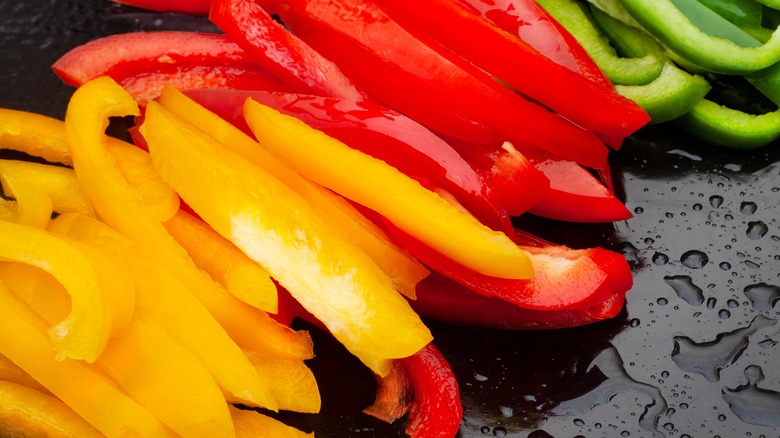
x=575 y=195
x=144 y=61
x=425 y=386
x=282 y=53
x=463 y=34
x=379 y=132
x=396 y=67
x=194 y=7
x=564 y=278
x=441 y=299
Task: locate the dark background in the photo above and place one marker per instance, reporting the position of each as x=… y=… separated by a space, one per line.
x=668 y=365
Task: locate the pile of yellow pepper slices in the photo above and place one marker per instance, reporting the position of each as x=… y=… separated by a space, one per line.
x=123 y=314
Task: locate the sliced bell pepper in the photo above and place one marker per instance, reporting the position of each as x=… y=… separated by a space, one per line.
x=637 y=70
x=226 y=264
x=141 y=360
x=667 y=23
x=251 y=424
x=402 y=269
x=105 y=406
x=563 y=278
x=517 y=63
x=145 y=61
x=274 y=226
x=27 y=412
x=101 y=290
x=575 y=194
x=283 y=54
x=729 y=127
x=441 y=299
x=11 y=372
x=403 y=201
x=379 y=132
x=296 y=390
x=424 y=386
x=34 y=134
x=455 y=98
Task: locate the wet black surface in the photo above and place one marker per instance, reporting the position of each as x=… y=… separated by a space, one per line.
x=695 y=352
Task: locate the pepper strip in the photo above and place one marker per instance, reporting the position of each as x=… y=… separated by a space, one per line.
x=34 y=134
x=402 y=269
x=276 y=227
x=279 y=51
x=667 y=23
x=418 y=211
x=624 y=71
x=104 y=405
x=512 y=60
x=731 y=128
x=226 y=264
x=252 y=424
x=100 y=288
x=119 y=206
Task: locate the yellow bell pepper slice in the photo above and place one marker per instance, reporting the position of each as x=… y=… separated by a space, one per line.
x=297 y=388
x=27 y=412
x=402 y=269
x=34 y=134
x=252 y=424
x=237 y=273
x=119 y=206
x=40 y=189
x=80 y=385
x=11 y=372
x=100 y=287
x=162 y=298
x=329 y=275
x=382 y=188
x=141 y=360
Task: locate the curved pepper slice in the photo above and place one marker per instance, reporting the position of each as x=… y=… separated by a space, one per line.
x=732 y=128
x=296 y=389
x=34 y=134
x=403 y=201
x=402 y=269
x=517 y=63
x=23 y=340
x=101 y=291
x=379 y=132
x=251 y=424
x=282 y=53
x=623 y=71
x=226 y=264
x=274 y=226
x=449 y=96
x=144 y=62
x=662 y=19
x=27 y=412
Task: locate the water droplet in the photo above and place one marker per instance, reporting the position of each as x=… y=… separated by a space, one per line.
x=660 y=259
x=479 y=377
x=747 y=208
x=711 y=302
x=499 y=431
x=732 y=303
x=694 y=259
x=762 y=296
x=767 y=343
x=639 y=210
x=625 y=433
x=756 y=230
x=634 y=322
x=506 y=411
x=710 y=357
x=697 y=207
x=724 y=314
x=485 y=430
x=685 y=289
x=662 y=301
x=649 y=241
x=578 y=422
x=669 y=427
x=752 y=404
x=683 y=405
x=725 y=266
x=716 y=201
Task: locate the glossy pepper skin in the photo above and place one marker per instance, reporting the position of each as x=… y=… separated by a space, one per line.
x=280 y=52
x=520 y=65
x=144 y=62
x=379 y=132
x=451 y=97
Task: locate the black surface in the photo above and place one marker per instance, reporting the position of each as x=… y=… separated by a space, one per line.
x=670 y=365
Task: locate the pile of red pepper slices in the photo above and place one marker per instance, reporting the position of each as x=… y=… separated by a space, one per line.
x=491 y=102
